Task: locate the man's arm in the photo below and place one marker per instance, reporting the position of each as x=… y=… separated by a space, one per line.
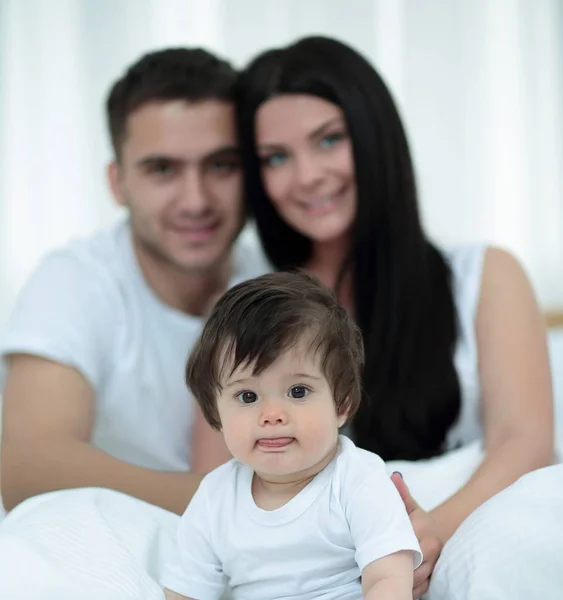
x=49 y=412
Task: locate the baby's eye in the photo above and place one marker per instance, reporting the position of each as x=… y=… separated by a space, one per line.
x=247 y=397
x=298 y=391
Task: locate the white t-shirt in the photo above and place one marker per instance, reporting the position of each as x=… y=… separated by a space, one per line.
x=88 y=306
x=314 y=546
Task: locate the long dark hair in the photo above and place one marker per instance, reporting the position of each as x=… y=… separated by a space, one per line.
x=402 y=285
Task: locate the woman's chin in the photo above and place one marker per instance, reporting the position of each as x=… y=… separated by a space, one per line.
x=328 y=229
x=325 y=234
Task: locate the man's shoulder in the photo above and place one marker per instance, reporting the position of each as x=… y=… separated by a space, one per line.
x=71 y=306
x=104 y=250
x=97 y=265
x=73 y=284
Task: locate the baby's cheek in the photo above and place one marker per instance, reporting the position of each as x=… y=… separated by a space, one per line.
x=236 y=433
x=318 y=430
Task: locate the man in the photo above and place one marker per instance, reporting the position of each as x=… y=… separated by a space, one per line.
x=95 y=350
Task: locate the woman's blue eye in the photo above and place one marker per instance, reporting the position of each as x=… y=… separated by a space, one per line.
x=274 y=160
x=330 y=140
x=298 y=392
x=247 y=397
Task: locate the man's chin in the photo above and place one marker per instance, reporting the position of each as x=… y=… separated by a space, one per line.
x=199 y=267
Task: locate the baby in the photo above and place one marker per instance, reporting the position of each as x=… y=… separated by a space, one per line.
x=299 y=512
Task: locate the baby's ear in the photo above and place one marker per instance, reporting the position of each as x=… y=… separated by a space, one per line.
x=342 y=418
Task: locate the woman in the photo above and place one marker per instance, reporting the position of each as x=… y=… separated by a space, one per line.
x=455 y=345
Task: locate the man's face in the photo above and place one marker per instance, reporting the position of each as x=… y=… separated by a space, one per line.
x=180 y=178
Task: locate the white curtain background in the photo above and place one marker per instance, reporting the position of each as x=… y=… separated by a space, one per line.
x=479 y=84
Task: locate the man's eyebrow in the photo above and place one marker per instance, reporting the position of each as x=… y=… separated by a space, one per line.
x=151 y=159
x=224 y=150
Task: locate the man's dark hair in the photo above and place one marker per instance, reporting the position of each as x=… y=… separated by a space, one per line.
x=255 y=322
x=190 y=74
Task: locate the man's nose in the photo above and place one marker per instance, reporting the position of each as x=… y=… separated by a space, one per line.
x=194 y=198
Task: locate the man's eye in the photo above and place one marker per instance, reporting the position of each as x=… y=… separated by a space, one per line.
x=161 y=168
x=247 y=397
x=298 y=392
x=224 y=166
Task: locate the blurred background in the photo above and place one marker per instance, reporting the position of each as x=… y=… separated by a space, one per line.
x=479 y=84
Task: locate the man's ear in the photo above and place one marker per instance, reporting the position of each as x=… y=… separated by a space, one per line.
x=114 y=180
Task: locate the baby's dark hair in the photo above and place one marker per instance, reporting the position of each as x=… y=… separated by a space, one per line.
x=257 y=321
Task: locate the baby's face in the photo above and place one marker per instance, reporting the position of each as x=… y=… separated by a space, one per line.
x=282 y=423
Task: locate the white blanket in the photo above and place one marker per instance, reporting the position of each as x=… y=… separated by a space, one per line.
x=89 y=544
x=95 y=544
x=510 y=548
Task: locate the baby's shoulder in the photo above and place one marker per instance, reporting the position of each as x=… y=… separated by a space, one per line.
x=222 y=479
x=355 y=466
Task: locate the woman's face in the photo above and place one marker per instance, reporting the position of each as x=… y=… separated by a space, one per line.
x=307 y=165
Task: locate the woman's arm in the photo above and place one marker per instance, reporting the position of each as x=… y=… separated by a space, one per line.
x=517 y=405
